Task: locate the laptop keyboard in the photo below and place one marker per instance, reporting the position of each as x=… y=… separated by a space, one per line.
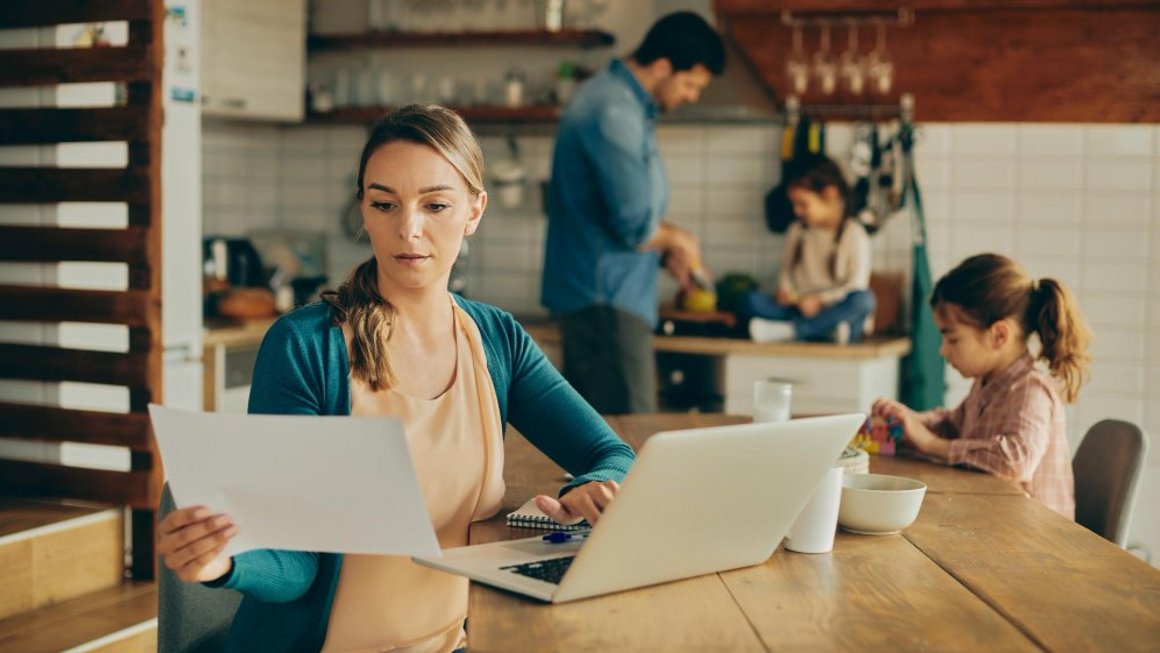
x=549 y=571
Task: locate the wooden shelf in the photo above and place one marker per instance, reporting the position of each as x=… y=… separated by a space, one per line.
x=539 y=113
x=539 y=38
x=850 y=7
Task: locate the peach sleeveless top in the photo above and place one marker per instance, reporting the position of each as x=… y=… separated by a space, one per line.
x=388 y=603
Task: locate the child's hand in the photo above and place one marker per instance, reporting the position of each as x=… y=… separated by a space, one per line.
x=786 y=297
x=914 y=432
x=810 y=305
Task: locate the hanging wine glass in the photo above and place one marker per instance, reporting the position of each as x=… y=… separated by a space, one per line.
x=879 y=65
x=851 y=65
x=825 y=66
x=797 y=65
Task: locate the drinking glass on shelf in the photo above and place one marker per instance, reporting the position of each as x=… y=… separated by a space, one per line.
x=825 y=66
x=851 y=65
x=797 y=65
x=879 y=66
x=588 y=12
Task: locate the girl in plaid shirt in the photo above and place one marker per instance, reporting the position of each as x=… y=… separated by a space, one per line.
x=1012 y=423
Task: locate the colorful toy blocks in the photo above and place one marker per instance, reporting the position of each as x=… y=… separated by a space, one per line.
x=879 y=436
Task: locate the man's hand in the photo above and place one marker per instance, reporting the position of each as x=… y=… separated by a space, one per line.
x=681 y=249
x=587 y=501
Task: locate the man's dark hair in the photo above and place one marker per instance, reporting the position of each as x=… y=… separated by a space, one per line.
x=685 y=39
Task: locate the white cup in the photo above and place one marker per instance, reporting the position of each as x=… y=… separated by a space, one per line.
x=771 y=400
x=813 y=530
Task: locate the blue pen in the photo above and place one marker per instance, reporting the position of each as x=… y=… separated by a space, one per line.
x=557 y=537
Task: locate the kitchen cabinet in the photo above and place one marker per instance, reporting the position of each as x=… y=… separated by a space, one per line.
x=712 y=374
x=229 y=357
x=253 y=59
x=826 y=377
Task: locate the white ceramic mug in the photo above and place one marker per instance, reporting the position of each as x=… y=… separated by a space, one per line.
x=813 y=530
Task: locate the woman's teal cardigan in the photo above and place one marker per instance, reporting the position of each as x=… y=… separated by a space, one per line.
x=303 y=369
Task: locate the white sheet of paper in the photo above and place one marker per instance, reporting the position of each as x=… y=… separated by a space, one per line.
x=308 y=483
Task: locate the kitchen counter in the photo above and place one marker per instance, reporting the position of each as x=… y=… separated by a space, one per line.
x=545 y=332
x=235 y=334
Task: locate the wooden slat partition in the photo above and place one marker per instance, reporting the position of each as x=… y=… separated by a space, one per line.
x=137 y=122
x=61 y=12
x=131 y=489
x=40 y=67
x=48 y=185
x=60 y=244
x=40 y=363
x=41 y=304
x=28 y=422
x=37 y=126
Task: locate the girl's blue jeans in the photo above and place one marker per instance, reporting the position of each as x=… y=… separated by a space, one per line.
x=852 y=309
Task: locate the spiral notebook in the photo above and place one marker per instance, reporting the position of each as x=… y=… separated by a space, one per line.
x=529 y=515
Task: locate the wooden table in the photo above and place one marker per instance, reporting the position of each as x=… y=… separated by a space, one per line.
x=982 y=568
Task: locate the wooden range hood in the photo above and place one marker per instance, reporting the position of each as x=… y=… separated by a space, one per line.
x=983 y=60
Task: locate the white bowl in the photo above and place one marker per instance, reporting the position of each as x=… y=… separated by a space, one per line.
x=877 y=504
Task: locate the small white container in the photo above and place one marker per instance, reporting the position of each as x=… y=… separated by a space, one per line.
x=813 y=529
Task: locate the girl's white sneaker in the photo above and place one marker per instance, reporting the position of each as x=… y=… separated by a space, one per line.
x=763 y=330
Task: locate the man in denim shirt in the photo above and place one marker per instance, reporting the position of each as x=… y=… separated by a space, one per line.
x=606 y=204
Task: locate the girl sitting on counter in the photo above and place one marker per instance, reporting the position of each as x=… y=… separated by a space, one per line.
x=392 y=341
x=823 y=289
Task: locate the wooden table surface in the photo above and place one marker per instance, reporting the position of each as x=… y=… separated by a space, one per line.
x=982 y=568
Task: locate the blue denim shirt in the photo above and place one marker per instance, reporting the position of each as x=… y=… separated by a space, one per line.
x=607 y=196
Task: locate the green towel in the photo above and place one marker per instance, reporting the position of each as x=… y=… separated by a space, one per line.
x=923 y=383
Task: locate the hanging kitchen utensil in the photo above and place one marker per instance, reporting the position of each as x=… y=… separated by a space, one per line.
x=779 y=213
x=861 y=166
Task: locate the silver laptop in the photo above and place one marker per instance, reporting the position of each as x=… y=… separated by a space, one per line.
x=695 y=502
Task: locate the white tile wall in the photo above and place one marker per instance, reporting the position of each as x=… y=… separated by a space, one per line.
x=1076 y=202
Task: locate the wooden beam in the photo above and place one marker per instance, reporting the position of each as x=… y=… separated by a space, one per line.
x=49 y=423
x=45 y=13
x=50 y=185
x=50 y=126
x=42 y=363
x=28 y=479
x=47 y=304
x=47 y=66
x=61 y=244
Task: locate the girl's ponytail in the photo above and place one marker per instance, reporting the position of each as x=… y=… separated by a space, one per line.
x=1065 y=337
x=371 y=318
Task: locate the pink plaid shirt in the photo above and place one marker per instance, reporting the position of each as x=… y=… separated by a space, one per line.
x=1014 y=427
